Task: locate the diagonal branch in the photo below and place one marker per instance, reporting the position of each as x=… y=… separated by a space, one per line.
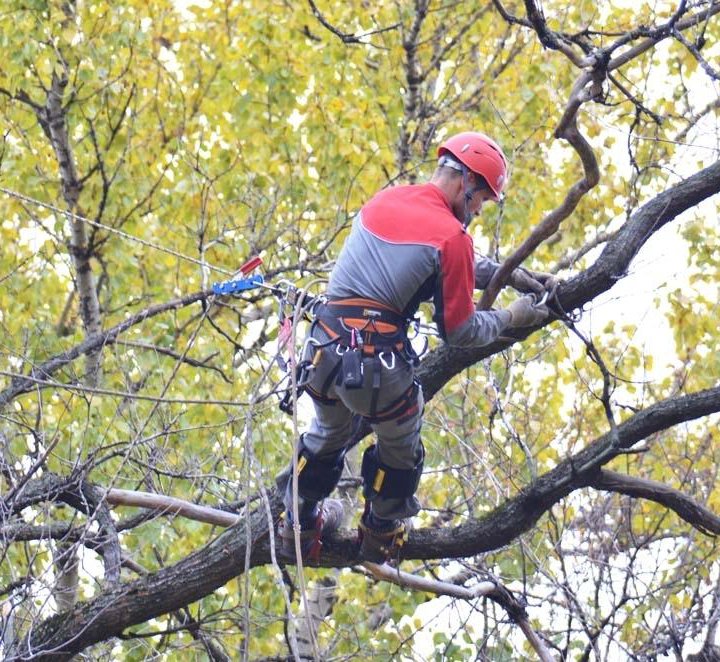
x=703 y=519
x=48 y=368
x=712 y=73
x=653 y=38
x=345 y=37
x=167 y=505
x=587 y=87
x=204 y=364
x=491 y=589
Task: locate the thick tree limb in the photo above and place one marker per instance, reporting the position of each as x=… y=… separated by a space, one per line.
x=703 y=519
x=166 y=505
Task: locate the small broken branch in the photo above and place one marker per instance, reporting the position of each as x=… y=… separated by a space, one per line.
x=169 y=506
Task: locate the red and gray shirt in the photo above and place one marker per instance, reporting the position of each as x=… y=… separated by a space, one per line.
x=406 y=246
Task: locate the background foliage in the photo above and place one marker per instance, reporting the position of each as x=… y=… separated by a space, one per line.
x=228 y=129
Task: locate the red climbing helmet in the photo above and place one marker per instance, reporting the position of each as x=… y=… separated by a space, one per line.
x=481 y=155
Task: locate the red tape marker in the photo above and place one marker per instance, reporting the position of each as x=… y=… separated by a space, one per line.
x=251 y=264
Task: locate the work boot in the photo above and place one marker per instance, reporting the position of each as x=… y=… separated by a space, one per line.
x=382 y=539
x=328 y=518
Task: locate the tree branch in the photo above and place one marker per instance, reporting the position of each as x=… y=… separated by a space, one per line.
x=655 y=36
x=547 y=37
x=587 y=87
x=167 y=505
x=703 y=519
x=345 y=37
x=82 y=496
x=48 y=368
x=491 y=589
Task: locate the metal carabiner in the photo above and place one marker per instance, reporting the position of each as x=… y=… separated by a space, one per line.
x=543 y=299
x=384 y=362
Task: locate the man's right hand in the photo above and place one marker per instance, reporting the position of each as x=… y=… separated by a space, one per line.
x=524 y=312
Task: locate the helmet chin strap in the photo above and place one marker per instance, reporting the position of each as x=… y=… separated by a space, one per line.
x=449 y=162
x=467 y=196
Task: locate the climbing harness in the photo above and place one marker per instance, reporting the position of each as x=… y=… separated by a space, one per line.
x=357 y=329
x=364 y=329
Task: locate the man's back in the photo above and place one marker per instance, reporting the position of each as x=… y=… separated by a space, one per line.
x=398 y=246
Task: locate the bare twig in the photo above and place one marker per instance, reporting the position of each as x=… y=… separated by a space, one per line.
x=344 y=36
x=715 y=75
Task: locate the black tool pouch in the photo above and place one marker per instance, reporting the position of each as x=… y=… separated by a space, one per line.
x=351 y=372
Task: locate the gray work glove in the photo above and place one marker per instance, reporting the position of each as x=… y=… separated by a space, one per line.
x=526 y=281
x=524 y=312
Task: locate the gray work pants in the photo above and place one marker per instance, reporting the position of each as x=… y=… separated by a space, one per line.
x=398 y=440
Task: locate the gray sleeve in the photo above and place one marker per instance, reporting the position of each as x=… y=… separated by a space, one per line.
x=481 y=328
x=485 y=269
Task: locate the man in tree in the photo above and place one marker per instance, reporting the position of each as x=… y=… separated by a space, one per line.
x=408 y=244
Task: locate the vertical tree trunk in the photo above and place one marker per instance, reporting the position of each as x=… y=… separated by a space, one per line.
x=321 y=599
x=53 y=119
x=65 y=590
x=55 y=125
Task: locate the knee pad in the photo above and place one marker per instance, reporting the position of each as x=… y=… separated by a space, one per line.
x=382 y=480
x=318 y=476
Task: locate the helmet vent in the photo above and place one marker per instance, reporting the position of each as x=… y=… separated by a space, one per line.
x=465 y=147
